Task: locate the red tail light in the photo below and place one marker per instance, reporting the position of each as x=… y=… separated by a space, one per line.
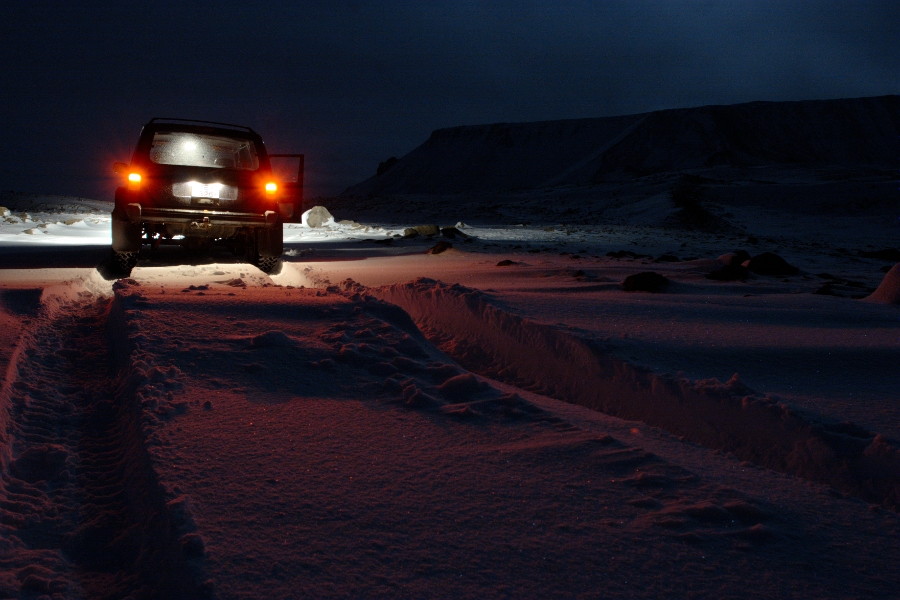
x=271 y=190
x=134 y=181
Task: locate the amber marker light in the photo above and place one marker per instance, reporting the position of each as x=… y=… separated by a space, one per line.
x=134 y=181
x=271 y=188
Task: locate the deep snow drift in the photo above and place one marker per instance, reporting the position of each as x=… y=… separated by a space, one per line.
x=312 y=442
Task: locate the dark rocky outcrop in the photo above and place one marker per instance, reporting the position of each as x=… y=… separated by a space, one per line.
x=860 y=132
x=386 y=165
x=815 y=132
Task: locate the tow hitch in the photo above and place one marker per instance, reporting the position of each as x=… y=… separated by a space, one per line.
x=204 y=224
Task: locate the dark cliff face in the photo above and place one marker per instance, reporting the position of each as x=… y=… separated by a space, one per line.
x=506 y=156
x=860 y=131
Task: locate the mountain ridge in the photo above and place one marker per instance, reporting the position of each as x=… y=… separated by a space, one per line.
x=856 y=132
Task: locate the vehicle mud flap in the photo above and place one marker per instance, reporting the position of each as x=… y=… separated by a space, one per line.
x=126 y=236
x=270 y=240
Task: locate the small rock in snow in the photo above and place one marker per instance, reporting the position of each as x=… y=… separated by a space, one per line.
x=317 y=216
x=439 y=247
x=271 y=339
x=730 y=272
x=428 y=230
x=770 y=264
x=453 y=233
x=737 y=257
x=647 y=281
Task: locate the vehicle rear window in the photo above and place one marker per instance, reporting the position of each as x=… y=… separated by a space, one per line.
x=199 y=150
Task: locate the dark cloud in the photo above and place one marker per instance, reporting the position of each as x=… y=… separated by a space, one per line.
x=351 y=83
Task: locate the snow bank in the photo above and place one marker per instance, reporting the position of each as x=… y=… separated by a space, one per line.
x=86 y=287
x=54 y=220
x=293 y=274
x=725 y=416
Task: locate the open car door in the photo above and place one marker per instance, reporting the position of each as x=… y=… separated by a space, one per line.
x=291 y=182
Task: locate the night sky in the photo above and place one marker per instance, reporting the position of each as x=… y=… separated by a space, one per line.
x=351 y=83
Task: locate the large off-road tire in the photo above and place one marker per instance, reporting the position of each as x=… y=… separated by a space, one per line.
x=196 y=245
x=267 y=264
x=271 y=242
x=237 y=245
x=126 y=236
x=124 y=262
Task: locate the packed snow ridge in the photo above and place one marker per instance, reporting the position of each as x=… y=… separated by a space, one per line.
x=723 y=416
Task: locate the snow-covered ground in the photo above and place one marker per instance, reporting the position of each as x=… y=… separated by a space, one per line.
x=497 y=419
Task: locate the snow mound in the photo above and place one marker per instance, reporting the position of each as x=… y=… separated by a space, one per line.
x=461 y=386
x=82 y=288
x=770 y=264
x=889 y=290
x=271 y=339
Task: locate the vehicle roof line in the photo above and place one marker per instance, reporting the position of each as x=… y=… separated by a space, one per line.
x=155 y=119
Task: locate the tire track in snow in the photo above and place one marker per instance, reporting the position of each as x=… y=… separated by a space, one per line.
x=80 y=510
x=722 y=416
x=339 y=446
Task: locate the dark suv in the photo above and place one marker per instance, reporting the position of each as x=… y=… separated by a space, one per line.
x=202 y=182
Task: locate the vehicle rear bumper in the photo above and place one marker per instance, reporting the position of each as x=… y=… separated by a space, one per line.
x=137 y=213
